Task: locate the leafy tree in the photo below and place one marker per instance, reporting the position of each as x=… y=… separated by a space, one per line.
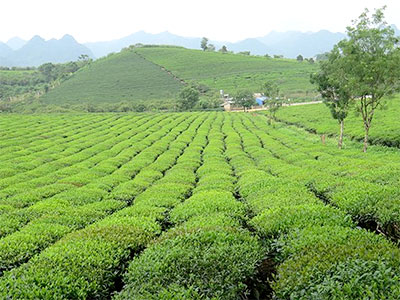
x=244 y=53
x=271 y=91
x=211 y=48
x=223 y=49
x=244 y=99
x=331 y=84
x=267 y=55
x=47 y=70
x=278 y=56
x=204 y=43
x=188 y=97
x=372 y=57
x=322 y=56
x=311 y=60
x=299 y=58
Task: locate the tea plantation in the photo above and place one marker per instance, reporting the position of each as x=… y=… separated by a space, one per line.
x=194 y=205
x=385 y=128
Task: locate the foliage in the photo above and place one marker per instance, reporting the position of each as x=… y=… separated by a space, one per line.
x=192 y=206
x=120 y=77
x=313 y=117
x=233 y=72
x=335 y=90
x=203 y=43
x=271 y=91
x=188 y=98
x=372 y=60
x=244 y=99
x=299 y=58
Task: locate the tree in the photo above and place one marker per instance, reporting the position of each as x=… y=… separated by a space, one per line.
x=271 y=91
x=188 y=97
x=223 y=49
x=204 y=43
x=211 y=48
x=331 y=84
x=244 y=99
x=322 y=56
x=48 y=71
x=299 y=58
x=372 y=60
x=244 y=53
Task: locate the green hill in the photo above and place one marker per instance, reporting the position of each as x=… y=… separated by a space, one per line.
x=119 y=77
x=232 y=72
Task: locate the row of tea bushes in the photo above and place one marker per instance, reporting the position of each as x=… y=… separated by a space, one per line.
x=319 y=252
x=207 y=254
x=84 y=206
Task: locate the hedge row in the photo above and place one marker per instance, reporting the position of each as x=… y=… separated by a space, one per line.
x=208 y=254
x=84 y=206
x=366 y=187
x=319 y=252
x=87 y=263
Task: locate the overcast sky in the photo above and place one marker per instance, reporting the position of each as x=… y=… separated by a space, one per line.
x=227 y=20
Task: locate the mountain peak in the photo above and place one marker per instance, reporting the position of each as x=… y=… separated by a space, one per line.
x=15 y=43
x=68 y=37
x=37 y=38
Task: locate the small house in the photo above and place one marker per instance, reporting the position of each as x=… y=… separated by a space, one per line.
x=260 y=100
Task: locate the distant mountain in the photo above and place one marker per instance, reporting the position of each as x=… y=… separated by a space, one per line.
x=255 y=46
x=38 y=51
x=290 y=44
x=16 y=43
x=100 y=49
x=4 y=50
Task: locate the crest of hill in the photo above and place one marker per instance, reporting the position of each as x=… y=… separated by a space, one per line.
x=233 y=72
x=120 y=77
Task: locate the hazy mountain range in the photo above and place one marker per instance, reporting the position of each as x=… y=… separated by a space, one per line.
x=17 y=52
x=290 y=44
x=38 y=51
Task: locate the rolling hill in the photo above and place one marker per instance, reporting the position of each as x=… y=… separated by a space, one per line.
x=156 y=74
x=233 y=72
x=119 y=77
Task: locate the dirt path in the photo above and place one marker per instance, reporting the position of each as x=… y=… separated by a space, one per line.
x=285 y=104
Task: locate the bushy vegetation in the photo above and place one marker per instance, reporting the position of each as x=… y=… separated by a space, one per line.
x=124 y=76
x=192 y=206
x=19 y=86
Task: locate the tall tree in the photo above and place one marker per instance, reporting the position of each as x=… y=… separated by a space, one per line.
x=204 y=43
x=299 y=58
x=211 y=48
x=223 y=49
x=372 y=57
x=331 y=84
x=244 y=99
x=188 y=97
x=271 y=91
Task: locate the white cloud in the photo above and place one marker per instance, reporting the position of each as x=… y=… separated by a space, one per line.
x=89 y=20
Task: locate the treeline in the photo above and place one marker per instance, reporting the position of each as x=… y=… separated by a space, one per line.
x=17 y=82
